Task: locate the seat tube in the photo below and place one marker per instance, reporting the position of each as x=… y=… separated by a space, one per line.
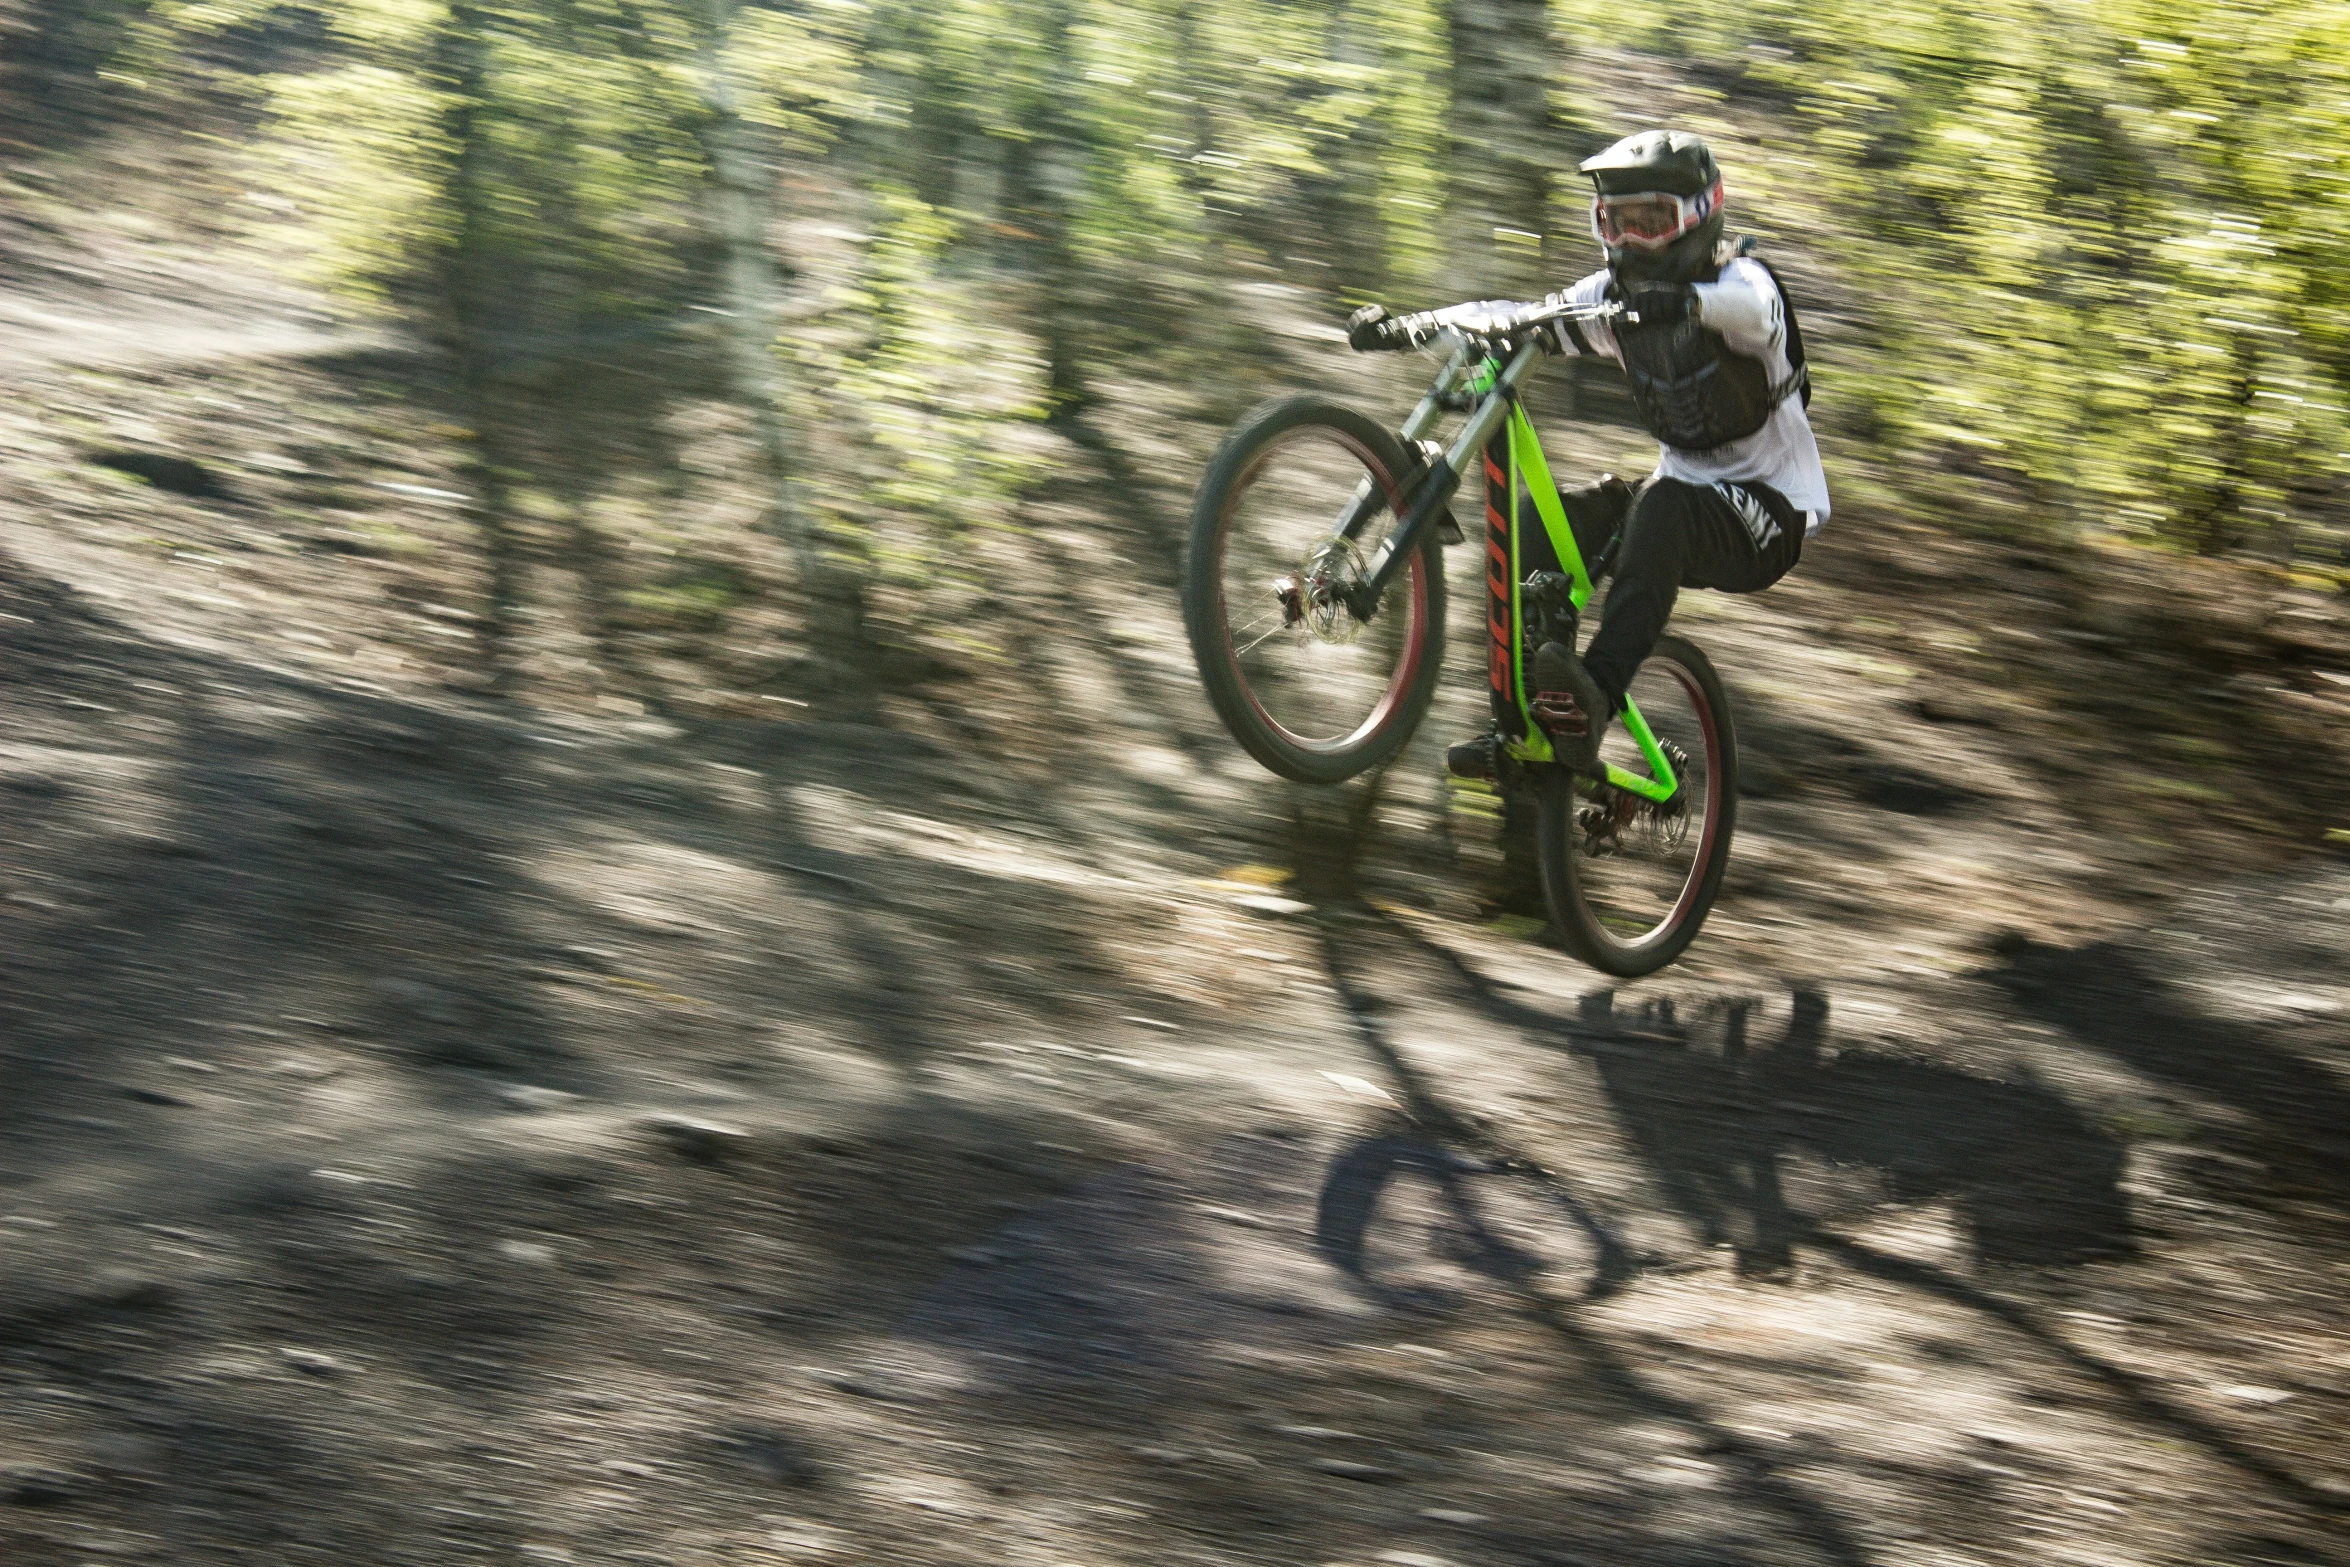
x=1502 y=652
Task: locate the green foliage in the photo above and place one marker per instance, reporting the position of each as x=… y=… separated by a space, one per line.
x=695 y=596
x=511 y=172
x=1167 y=125
x=801 y=71
x=2089 y=254
x=519 y=151
x=362 y=153
x=2099 y=244
x=932 y=389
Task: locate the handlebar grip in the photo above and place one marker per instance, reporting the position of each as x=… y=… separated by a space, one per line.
x=1371 y=330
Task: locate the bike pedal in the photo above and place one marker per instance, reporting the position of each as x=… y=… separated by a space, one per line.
x=1478 y=758
x=1558 y=713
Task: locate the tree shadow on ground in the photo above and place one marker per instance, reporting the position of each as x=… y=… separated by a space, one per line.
x=275 y=958
x=2292 y=1113
x=281 y=860
x=217 y=839
x=2142 y=1395
x=1782 y=755
x=2034 y=1182
x=1152 y=1302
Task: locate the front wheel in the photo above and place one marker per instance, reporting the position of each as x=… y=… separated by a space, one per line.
x=1306 y=688
x=1629 y=883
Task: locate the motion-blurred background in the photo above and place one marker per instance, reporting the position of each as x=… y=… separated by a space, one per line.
x=2077 y=271
x=624 y=936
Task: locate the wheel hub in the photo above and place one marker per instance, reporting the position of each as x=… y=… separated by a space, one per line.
x=1318 y=592
x=1659 y=825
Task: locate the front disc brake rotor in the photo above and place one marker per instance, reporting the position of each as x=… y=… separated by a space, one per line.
x=1331 y=568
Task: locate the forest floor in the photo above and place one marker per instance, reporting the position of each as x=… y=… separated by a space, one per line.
x=522 y=1083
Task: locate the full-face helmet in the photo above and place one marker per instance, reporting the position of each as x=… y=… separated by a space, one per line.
x=1657 y=206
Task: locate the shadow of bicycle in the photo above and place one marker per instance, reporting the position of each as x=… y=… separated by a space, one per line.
x=2027 y=1177
x=1754 y=1142
x=1402 y=1219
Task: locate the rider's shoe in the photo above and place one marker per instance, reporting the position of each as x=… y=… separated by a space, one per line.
x=1570 y=707
x=1478 y=758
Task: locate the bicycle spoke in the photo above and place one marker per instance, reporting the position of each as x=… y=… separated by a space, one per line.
x=1631 y=879
x=1260 y=641
x=1277 y=609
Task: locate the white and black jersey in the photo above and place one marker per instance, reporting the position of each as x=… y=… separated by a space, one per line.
x=1745 y=307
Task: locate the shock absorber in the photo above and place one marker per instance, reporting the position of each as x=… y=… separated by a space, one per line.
x=1548 y=601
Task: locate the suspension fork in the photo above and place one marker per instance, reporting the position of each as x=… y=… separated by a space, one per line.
x=1441 y=479
x=1367 y=499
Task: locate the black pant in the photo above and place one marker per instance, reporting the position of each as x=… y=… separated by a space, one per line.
x=1739 y=538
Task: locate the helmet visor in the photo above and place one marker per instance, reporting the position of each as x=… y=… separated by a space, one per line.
x=1650 y=220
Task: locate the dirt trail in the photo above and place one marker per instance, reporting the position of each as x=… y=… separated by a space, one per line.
x=541 y=1130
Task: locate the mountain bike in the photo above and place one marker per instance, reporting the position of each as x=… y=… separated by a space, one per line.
x=1314 y=594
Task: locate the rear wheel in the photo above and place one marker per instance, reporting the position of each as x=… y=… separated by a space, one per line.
x=1629 y=883
x=1307 y=689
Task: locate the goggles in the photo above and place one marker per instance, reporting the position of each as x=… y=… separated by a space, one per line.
x=1651 y=220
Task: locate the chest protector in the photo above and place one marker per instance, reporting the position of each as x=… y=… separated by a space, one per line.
x=1691 y=390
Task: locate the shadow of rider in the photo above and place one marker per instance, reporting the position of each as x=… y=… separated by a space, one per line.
x=2031 y=1180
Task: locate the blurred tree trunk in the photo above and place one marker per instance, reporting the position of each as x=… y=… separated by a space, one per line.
x=1350 y=243
x=1043 y=173
x=1196 y=70
x=1042 y=219
x=1330 y=833
x=1503 y=160
x=1502 y=156
x=741 y=202
x=2220 y=524
x=469 y=288
x=934 y=143
x=742 y=185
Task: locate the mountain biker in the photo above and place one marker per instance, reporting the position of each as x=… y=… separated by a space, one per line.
x=1738 y=486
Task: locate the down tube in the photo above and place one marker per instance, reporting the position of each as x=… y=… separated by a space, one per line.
x=1501 y=590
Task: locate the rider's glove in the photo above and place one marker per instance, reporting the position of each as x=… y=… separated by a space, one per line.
x=1663 y=304
x=1371 y=330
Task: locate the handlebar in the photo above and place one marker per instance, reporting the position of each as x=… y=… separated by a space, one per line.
x=1495 y=320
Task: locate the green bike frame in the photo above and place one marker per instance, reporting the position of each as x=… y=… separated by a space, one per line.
x=1498 y=427
x=1516 y=468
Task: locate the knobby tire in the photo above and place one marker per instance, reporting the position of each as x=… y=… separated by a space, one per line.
x=1417 y=593
x=1564 y=865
